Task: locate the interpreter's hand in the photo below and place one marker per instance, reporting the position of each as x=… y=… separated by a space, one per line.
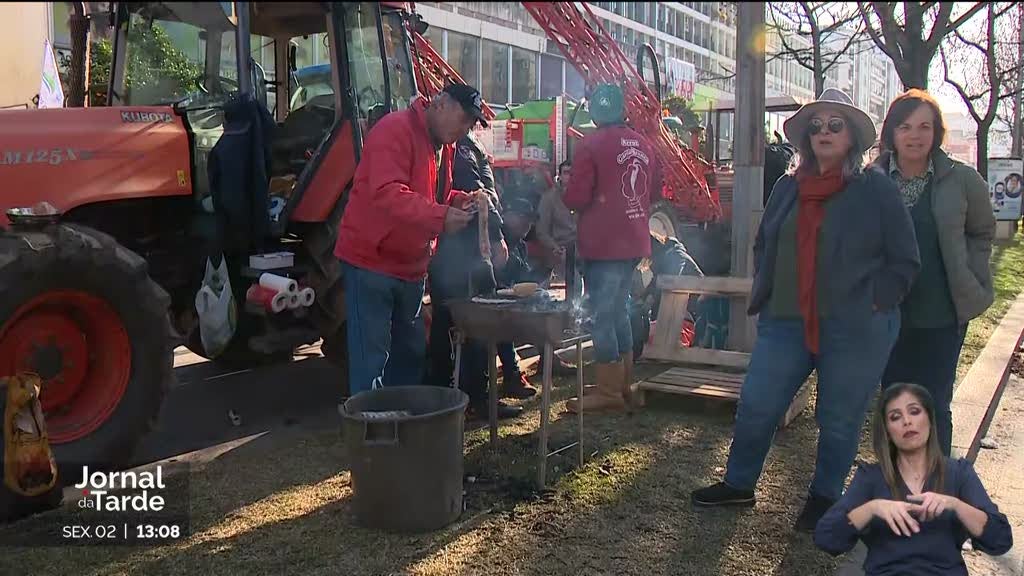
x=933 y=505
x=898 y=515
x=455 y=220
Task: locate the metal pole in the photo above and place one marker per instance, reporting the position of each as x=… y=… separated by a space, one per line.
x=244 y=54
x=545 y=409
x=579 y=394
x=492 y=390
x=748 y=158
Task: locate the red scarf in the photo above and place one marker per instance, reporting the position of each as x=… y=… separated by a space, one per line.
x=813 y=190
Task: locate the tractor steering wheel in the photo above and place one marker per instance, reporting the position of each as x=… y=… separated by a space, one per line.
x=374 y=95
x=231 y=83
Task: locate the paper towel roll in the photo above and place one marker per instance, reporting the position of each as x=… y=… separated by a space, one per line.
x=269 y=298
x=294 y=301
x=307 y=296
x=278 y=283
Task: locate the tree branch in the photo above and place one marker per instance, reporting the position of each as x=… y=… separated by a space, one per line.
x=877 y=37
x=960 y=90
x=836 y=55
x=970 y=43
x=963 y=17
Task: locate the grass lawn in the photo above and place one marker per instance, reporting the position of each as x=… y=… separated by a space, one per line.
x=282 y=504
x=1008 y=276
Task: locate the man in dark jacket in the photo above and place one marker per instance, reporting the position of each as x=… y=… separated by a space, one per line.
x=472 y=169
x=456 y=271
x=614 y=175
x=401 y=200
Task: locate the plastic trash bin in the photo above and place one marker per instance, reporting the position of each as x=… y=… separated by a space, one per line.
x=405 y=446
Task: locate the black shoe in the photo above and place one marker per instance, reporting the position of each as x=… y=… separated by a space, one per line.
x=814 y=509
x=481 y=411
x=722 y=494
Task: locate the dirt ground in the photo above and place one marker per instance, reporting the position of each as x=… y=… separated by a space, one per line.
x=282 y=504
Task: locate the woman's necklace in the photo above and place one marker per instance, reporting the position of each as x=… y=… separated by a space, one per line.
x=913 y=479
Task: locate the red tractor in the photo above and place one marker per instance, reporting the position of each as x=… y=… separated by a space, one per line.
x=98 y=286
x=109 y=214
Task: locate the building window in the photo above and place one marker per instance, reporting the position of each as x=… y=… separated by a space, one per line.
x=435 y=36
x=574 y=84
x=524 y=75
x=464 y=56
x=61 y=30
x=550 y=76
x=495 y=69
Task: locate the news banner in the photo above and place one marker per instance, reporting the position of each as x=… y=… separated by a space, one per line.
x=113 y=508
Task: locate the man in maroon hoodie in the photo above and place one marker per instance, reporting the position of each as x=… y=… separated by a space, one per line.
x=401 y=200
x=614 y=176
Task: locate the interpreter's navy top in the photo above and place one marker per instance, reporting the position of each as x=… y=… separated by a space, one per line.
x=936 y=549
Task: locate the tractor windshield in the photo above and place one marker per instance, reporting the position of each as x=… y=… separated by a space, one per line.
x=374 y=74
x=179 y=51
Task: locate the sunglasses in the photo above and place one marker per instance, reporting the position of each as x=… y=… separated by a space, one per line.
x=835 y=125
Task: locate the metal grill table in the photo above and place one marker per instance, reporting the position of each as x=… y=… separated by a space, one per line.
x=515 y=321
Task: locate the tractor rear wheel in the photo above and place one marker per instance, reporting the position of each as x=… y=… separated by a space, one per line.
x=325 y=278
x=81 y=311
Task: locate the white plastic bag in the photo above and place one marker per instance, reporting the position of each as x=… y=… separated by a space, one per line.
x=215 y=305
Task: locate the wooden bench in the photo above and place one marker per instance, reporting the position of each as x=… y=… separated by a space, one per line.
x=718 y=374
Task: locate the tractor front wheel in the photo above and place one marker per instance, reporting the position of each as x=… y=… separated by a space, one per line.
x=81 y=311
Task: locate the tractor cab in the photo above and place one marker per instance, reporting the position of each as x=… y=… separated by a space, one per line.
x=324 y=72
x=275 y=99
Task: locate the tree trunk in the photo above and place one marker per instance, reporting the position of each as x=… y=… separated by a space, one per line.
x=819 y=73
x=982 y=140
x=1018 y=101
x=914 y=71
x=78 y=24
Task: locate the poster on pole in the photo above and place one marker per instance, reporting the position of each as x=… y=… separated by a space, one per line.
x=51 y=93
x=1005 y=187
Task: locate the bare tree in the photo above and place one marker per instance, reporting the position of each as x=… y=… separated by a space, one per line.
x=898 y=29
x=983 y=94
x=831 y=28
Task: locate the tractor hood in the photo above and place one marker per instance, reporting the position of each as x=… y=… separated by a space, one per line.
x=71 y=157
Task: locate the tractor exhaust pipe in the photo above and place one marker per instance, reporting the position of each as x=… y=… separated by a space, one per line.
x=78 y=24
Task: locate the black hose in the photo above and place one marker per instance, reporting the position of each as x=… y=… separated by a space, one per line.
x=648 y=49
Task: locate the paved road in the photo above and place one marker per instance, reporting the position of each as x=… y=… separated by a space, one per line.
x=1002 y=471
x=195 y=414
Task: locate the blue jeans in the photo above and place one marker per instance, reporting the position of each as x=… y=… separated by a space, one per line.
x=608 y=283
x=386 y=336
x=929 y=357
x=849 y=366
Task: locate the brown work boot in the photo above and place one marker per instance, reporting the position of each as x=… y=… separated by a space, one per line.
x=607 y=395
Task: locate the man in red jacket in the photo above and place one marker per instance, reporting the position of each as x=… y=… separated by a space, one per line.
x=614 y=175
x=401 y=200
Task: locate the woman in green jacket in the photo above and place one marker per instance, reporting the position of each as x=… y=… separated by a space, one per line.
x=949 y=204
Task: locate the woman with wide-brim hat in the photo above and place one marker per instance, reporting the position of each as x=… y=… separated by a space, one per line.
x=834 y=255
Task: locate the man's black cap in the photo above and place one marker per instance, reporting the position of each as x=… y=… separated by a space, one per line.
x=470 y=100
x=522 y=206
